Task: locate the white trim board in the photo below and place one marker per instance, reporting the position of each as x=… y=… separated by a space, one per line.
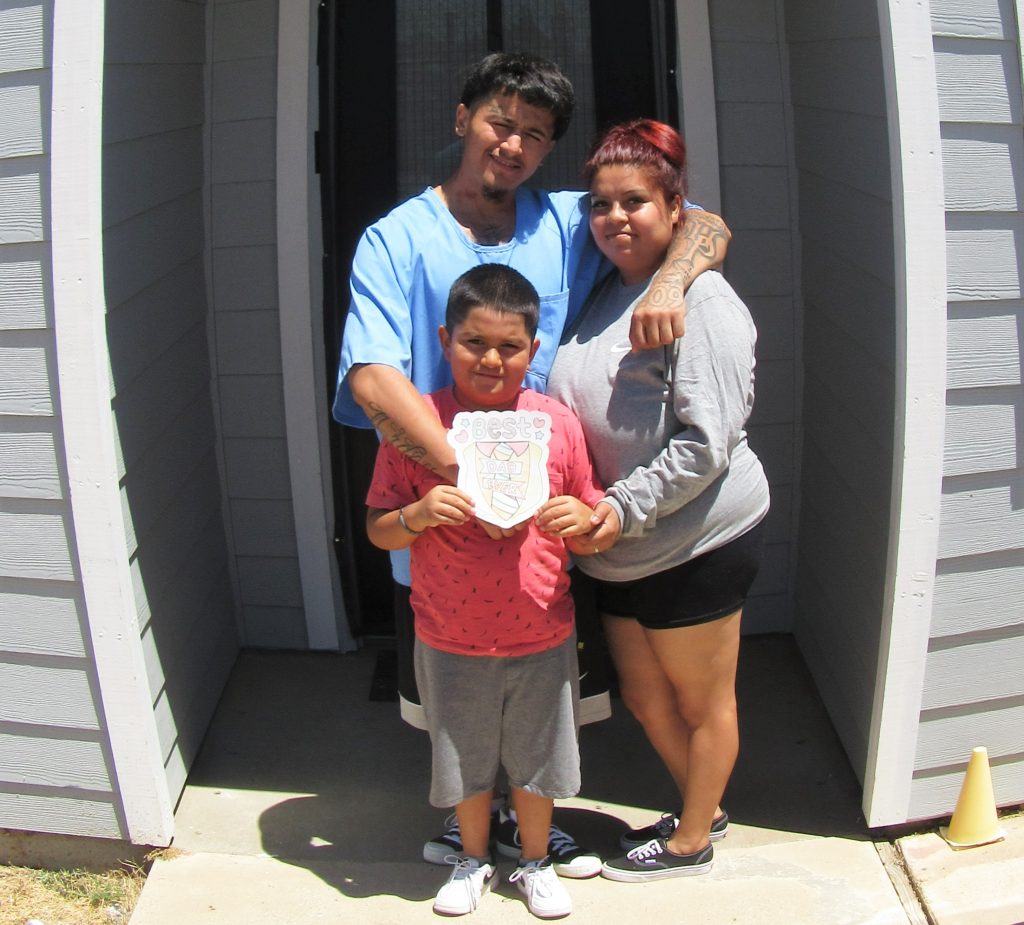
x=82 y=361
x=1019 y=10
x=302 y=354
x=919 y=234
x=696 y=86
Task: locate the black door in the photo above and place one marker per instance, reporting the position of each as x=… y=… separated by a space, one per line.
x=390 y=75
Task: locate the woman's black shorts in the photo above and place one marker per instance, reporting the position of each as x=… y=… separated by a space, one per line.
x=703 y=589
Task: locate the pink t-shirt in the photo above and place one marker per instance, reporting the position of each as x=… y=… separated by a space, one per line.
x=473 y=595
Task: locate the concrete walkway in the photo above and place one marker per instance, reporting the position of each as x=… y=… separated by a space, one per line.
x=308 y=804
x=976 y=886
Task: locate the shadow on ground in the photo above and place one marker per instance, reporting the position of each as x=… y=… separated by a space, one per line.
x=353 y=778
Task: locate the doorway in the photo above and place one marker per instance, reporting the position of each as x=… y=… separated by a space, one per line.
x=390 y=75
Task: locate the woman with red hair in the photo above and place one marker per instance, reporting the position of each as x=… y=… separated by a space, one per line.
x=666 y=429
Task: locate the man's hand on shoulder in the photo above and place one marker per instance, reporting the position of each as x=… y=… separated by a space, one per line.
x=660 y=315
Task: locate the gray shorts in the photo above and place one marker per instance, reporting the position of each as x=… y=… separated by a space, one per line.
x=520 y=712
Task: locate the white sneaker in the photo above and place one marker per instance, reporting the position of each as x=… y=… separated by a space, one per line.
x=545 y=896
x=467 y=882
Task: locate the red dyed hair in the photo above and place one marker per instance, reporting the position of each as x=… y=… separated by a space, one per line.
x=647 y=144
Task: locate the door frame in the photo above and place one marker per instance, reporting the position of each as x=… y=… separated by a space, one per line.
x=303 y=360
x=299 y=239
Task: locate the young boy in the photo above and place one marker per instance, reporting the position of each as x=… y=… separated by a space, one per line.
x=495 y=651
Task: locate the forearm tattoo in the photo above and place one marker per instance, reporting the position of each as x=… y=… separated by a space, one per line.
x=704 y=236
x=671 y=285
x=399 y=438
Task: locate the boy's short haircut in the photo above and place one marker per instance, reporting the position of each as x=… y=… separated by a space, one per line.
x=535 y=80
x=493 y=285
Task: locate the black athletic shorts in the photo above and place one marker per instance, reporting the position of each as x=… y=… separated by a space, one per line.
x=706 y=588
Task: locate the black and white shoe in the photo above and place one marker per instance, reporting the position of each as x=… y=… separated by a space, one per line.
x=654 y=861
x=441 y=848
x=665 y=826
x=567 y=858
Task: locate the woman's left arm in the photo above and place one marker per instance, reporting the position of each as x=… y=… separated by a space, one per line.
x=712 y=397
x=699 y=245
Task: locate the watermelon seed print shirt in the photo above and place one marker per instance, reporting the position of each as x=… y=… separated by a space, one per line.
x=473 y=595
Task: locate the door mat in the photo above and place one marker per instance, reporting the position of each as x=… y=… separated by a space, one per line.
x=384 y=683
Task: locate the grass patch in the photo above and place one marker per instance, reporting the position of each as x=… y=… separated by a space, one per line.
x=69 y=897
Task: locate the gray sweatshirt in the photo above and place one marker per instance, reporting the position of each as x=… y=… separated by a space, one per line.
x=666 y=427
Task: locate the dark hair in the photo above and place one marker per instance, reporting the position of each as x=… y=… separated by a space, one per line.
x=493 y=285
x=643 y=143
x=535 y=80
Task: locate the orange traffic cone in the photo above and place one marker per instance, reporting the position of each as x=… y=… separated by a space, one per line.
x=974 y=820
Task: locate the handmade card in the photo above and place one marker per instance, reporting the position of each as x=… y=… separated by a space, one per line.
x=503 y=462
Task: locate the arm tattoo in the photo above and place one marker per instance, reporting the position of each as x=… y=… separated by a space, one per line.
x=704 y=236
x=668 y=292
x=398 y=437
x=707 y=235
x=700 y=243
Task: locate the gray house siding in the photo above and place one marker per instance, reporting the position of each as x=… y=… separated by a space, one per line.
x=974 y=694
x=55 y=767
x=758 y=203
x=848 y=338
x=247 y=344
x=154 y=251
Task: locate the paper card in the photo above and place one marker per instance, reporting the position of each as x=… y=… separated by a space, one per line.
x=503 y=462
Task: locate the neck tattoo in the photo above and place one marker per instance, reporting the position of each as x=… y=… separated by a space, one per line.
x=490 y=229
x=491 y=234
